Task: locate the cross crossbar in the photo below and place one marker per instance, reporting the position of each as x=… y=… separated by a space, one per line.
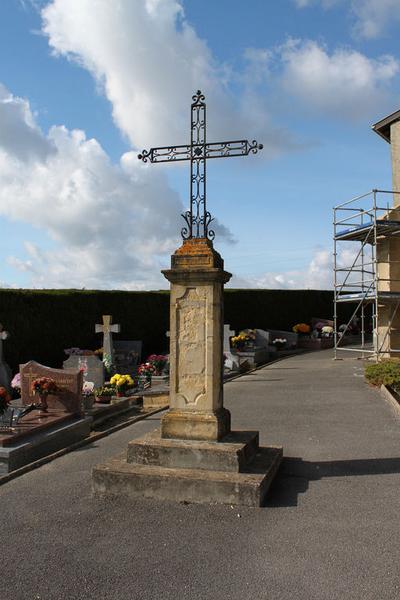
x=198 y=152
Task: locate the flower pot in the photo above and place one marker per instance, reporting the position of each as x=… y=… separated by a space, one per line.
x=103 y=399
x=87 y=402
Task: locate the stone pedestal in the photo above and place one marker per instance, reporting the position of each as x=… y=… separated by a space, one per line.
x=195 y=457
x=197 y=278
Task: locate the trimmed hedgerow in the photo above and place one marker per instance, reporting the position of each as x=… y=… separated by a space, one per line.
x=44 y=322
x=386 y=372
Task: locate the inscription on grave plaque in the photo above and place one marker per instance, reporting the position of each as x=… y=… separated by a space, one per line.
x=69 y=384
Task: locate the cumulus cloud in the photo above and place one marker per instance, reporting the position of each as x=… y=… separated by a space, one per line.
x=19 y=135
x=374 y=17
x=148 y=60
x=371 y=18
x=318 y=275
x=344 y=83
x=112 y=225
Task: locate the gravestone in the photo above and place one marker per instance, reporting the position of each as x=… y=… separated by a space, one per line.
x=231 y=360
x=127 y=356
x=95 y=367
x=290 y=336
x=69 y=396
x=107 y=329
x=5 y=371
x=262 y=338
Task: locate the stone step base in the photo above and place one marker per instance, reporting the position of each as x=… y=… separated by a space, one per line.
x=118 y=477
x=233 y=453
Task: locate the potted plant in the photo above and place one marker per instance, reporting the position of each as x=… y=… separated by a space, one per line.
x=87 y=395
x=146 y=370
x=122 y=383
x=159 y=361
x=243 y=340
x=43 y=386
x=103 y=394
x=16 y=385
x=6 y=413
x=302 y=329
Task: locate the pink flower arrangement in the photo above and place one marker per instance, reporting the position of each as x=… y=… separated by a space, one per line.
x=158 y=361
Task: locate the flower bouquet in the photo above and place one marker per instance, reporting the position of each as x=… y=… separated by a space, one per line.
x=279 y=343
x=122 y=383
x=159 y=361
x=146 y=370
x=5 y=399
x=243 y=339
x=327 y=331
x=302 y=329
x=103 y=394
x=43 y=386
x=16 y=385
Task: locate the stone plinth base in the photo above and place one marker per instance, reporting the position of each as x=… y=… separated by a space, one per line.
x=232 y=454
x=233 y=471
x=196 y=425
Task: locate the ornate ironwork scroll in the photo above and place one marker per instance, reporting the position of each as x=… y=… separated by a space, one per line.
x=197 y=217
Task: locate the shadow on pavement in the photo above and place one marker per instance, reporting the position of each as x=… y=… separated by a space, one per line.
x=295 y=474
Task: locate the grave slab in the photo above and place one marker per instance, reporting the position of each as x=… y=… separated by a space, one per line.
x=30 y=448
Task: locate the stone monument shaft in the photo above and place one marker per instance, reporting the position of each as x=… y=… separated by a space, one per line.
x=197 y=278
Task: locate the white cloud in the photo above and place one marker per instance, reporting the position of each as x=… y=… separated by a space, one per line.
x=112 y=225
x=148 y=61
x=371 y=18
x=374 y=17
x=344 y=83
x=19 y=135
x=318 y=275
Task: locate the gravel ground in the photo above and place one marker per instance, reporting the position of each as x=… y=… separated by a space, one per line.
x=330 y=529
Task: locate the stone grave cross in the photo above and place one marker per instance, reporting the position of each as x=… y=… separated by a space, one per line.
x=107 y=329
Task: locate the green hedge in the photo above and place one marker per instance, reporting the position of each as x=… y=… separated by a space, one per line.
x=44 y=322
x=386 y=372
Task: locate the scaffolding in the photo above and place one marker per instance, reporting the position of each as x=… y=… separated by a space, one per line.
x=366 y=281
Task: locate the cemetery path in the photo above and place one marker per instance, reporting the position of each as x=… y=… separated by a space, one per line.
x=330 y=529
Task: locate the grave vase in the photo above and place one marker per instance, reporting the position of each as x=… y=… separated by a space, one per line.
x=43 y=401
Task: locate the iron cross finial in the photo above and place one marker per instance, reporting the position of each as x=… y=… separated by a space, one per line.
x=198 y=218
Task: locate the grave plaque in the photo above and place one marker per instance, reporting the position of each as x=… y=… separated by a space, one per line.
x=95 y=367
x=67 y=399
x=127 y=356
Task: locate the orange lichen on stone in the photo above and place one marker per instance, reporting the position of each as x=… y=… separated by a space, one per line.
x=196 y=253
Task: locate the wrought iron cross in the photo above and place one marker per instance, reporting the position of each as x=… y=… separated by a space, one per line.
x=198 y=151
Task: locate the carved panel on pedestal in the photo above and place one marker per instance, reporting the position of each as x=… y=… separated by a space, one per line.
x=191 y=323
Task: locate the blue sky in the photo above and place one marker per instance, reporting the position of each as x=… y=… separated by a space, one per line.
x=305 y=77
